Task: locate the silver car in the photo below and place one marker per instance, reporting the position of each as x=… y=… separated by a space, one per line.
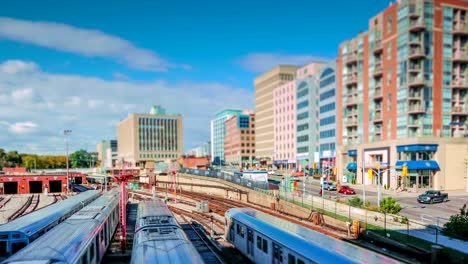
x=329 y=186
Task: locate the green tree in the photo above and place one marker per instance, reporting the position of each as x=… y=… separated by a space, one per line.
x=389 y=206
x=80 y=159
x=12 y=159
x=457 y=226
x=2 y=158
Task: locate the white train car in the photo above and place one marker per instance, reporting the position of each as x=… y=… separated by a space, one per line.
x=20 y=232
x=159 y=238
x=83 y=238
x=267 y=239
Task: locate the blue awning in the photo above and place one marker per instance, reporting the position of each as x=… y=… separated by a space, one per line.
x=352 y=152
x=419 y=164
x=417 y=147
x=351 y=166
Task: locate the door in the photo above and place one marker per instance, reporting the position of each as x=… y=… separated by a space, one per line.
x=277 y=254
x=250 y=244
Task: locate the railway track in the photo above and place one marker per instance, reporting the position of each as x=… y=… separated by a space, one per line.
x=208 y=251
x=4 y=201
x=29 y=206
x=58 y=197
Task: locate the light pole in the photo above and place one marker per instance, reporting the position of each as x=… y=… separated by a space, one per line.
x=66 y=133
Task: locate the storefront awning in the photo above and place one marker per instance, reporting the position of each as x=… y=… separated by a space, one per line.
x=418 y=164
x=351 y=166
x=352 y=152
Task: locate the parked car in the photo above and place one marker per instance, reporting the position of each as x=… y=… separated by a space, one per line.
x=295 y=178
x=347 y=190
x=298 y=173
x=329 y=186
x=433 y=197
x=271 y=172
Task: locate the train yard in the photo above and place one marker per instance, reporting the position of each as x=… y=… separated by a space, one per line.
x=204 y=228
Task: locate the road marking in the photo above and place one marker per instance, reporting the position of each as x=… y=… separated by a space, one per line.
x=425 y=217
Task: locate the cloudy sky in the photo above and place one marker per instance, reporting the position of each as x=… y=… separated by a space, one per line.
x=83 y=65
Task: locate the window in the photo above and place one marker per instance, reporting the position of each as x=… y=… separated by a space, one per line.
x=327 y=107
x=300 y=261
x=238 y=229
x=389 y=24
x=302 y=104
x=259 y=242
x=242 y=227
x=291 y=259
x=303 y=116
x=265 y=246
x=327 y=94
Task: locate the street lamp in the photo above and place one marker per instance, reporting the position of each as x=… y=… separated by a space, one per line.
x=66 y=133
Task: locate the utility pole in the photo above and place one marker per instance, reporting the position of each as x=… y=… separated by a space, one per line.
x=66 y=133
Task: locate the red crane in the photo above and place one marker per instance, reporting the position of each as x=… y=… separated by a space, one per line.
x=122 y=177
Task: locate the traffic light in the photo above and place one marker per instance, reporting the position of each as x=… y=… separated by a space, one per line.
x=404 y=171
x=314 y=166
x=369 y=173
x=334 y=171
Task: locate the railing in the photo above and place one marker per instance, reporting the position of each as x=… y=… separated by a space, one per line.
x=231 y=177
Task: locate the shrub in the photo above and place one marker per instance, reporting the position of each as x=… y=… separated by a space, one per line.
x=389 y=206
x=457 y=226
x=356 y=202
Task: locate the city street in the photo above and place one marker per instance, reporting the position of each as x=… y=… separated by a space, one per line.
x=438 y=213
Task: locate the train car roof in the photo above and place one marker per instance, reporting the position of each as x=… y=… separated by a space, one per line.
x=35 y=221
x=165 y=251
x=64 y=240
x=305 y=241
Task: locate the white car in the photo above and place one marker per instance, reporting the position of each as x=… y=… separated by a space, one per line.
x=271 y=172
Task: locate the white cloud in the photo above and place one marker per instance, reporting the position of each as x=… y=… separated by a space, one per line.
x=92 y=107
x=22 y=127
x=16 y=66
x=262 y=62
x=86 y=42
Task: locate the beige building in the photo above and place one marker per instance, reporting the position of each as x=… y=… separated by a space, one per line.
x=432 y=162
x=239 y=141
x=264 y=115
x=99 y=150
x=147 y=138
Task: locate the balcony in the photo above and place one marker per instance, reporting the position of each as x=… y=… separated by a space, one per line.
x=414 y=124
x=414 y=68
x=416 y=109
x=378 y=131
x=460 y=56
x=415 y=82
x=352 y=122
x=414 y=97
x=378 y=118
x=351 y=79
x=351 y=58
x=416 y=54
x=378 y=94
x=351 y=114
x=413 y=13
x=378 y=69
x=460 y=28
x=460 y=84
x=415 y=42
x=460 y=110
x=416 y=26
x=378 y=47
x=351 y=100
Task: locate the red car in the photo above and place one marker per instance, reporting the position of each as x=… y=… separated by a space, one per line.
x=346 y=190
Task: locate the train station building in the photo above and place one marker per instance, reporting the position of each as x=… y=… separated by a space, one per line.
x=26 y=183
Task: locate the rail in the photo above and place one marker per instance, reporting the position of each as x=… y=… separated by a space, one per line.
x=204 y=246
x=22 y=209
x=4 y=201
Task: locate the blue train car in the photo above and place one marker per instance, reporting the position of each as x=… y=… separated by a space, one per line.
x=83 y=238
x=159 y=238
x=18 y=233
x=267 y=239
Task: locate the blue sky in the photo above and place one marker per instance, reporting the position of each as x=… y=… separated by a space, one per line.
x=84 y=65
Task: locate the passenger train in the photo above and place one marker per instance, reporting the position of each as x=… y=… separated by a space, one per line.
x=159 y=238
x=18 y=233
x=267 y=239
x=83 y=238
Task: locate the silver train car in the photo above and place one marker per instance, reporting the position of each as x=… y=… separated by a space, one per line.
x=18 y=233
x=159 y=238
x=267 y=239
x=83 y=238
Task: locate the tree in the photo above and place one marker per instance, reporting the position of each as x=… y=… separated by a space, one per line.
x=12 y=159
x=389 y=206
x=457 y=226
x=80 y=159
x=2 y=158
